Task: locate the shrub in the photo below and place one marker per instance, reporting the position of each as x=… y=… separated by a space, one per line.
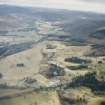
x=1 y=75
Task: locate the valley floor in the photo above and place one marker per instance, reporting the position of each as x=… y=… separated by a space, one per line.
x=31 y=69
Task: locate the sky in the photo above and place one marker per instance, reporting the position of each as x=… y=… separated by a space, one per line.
x=81 y=5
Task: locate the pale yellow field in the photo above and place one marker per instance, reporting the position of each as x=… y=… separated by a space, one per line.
x=96 y=100
x=31 y=60
x=33 y=98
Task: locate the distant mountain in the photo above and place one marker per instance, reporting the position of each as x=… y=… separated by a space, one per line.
x=99 y=33
x=74 y=22
x=78 y=25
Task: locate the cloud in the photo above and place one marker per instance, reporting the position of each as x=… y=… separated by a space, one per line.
x=81 y=5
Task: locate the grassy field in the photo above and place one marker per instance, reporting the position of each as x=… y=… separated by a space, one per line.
x=60 y=53
x=77 y=95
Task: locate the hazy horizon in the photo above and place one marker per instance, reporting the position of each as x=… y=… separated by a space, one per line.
x=80 y=5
